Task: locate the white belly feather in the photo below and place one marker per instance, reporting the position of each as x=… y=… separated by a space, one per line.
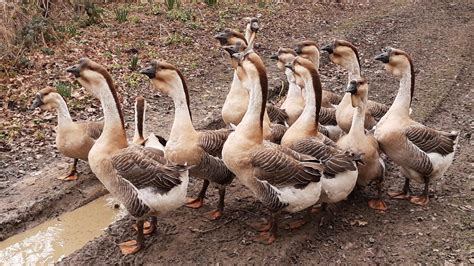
x=338 y=188
x=299 y=199
x=163 y=203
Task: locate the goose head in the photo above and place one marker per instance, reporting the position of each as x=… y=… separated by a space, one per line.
x=283 y=56
x=308 y=50
x=358 y=88
x=46 y=99
x=92 y=76
x=302 y=69
x=230 y=37
x=252 y=24
x=166 y=78
x=234 y=49
x=342 y=53
x=397 y=62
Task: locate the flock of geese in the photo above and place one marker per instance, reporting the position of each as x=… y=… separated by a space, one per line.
x=310 y=151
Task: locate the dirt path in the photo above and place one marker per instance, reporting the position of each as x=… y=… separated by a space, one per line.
x=438 y=35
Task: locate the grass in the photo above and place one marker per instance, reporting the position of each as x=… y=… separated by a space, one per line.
x=121 y=14
x=64 y=88
x=177 y=38
x=183 y=15
x=134 y=62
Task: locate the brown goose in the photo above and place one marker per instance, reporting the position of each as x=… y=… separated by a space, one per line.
x=199 y=149
x=309 y=50
x=280 y=178
x=327 y=116
x=73 y=139
x=422 y=153
x=141 y=178
x=340 y=170
x=237 y=99
x=373 y=167
x=345 y=54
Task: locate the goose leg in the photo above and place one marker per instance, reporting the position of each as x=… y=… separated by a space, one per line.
x=269 y=236
x=404 y=194
x=133 y=246
x=424 y=198
x=148 y=226
x=327 y=214
x=216 y=214
x=378 y=203
x=72 y=175
x=199 y=201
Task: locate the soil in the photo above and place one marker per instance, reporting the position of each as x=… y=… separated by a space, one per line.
x=437 y=34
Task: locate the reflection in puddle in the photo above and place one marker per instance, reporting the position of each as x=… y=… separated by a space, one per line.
x=57 y=238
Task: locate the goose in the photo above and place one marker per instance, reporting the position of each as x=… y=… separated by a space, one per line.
x=237 y=99
x=294 y=102
x=152 y=140
x=327 y=116
x=309 y=50
x=281 y=179
x=372 y=167
x=185 y=145
x=73 y=139
x=422 y=153
x=340 y=169
x=345 y=54
x=139 y=177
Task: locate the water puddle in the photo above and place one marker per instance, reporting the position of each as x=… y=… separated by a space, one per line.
x=57 y=238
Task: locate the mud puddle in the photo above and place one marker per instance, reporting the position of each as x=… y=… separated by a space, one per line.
x=57 y=238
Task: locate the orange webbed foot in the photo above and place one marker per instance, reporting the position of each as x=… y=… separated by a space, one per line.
x=214 y=215
x=69 y=177
x=147 y=228
x=266 y=237
x=420 y=200
x=296 y=224
x=377 y=204
x=399 y=195
x=194 y=203
x=130 y=247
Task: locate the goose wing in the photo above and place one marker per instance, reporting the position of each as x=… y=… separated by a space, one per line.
x=377 y=110
x=333 y=98
x=213 y=169
x=334 y=160
x=277 y=130
x=280 y=170
x=146 y=167
x=276 y=114
x=212 y=141
x=430 y=140
x=327 y=116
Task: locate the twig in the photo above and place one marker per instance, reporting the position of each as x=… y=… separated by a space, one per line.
x=231 y=239
x=195 y=230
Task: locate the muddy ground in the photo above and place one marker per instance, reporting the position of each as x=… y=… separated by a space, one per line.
x=437 y=34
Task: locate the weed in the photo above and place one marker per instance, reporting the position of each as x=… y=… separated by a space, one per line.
x=261 y=3
x=38 y=31
x=177 y=38
x=39 y=135
x=64 y=88
x=47 y=51
x=182 y=15
x=171 y=4
x=210 y=2
x=94 y=14
x=134 y=79
x=135 y=19
x=134 y=62
x=121 y=14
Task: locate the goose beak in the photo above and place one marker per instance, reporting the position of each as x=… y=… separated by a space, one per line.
x=254 y=26
x=290 y=66
x=298 y=50
x=231 y=49
x=149 y=72
x=37 y=102
x=221 y=37
x=75 y=70
x=383 y=57
x=352 y=88
x=274 y=56
x=328 y=48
